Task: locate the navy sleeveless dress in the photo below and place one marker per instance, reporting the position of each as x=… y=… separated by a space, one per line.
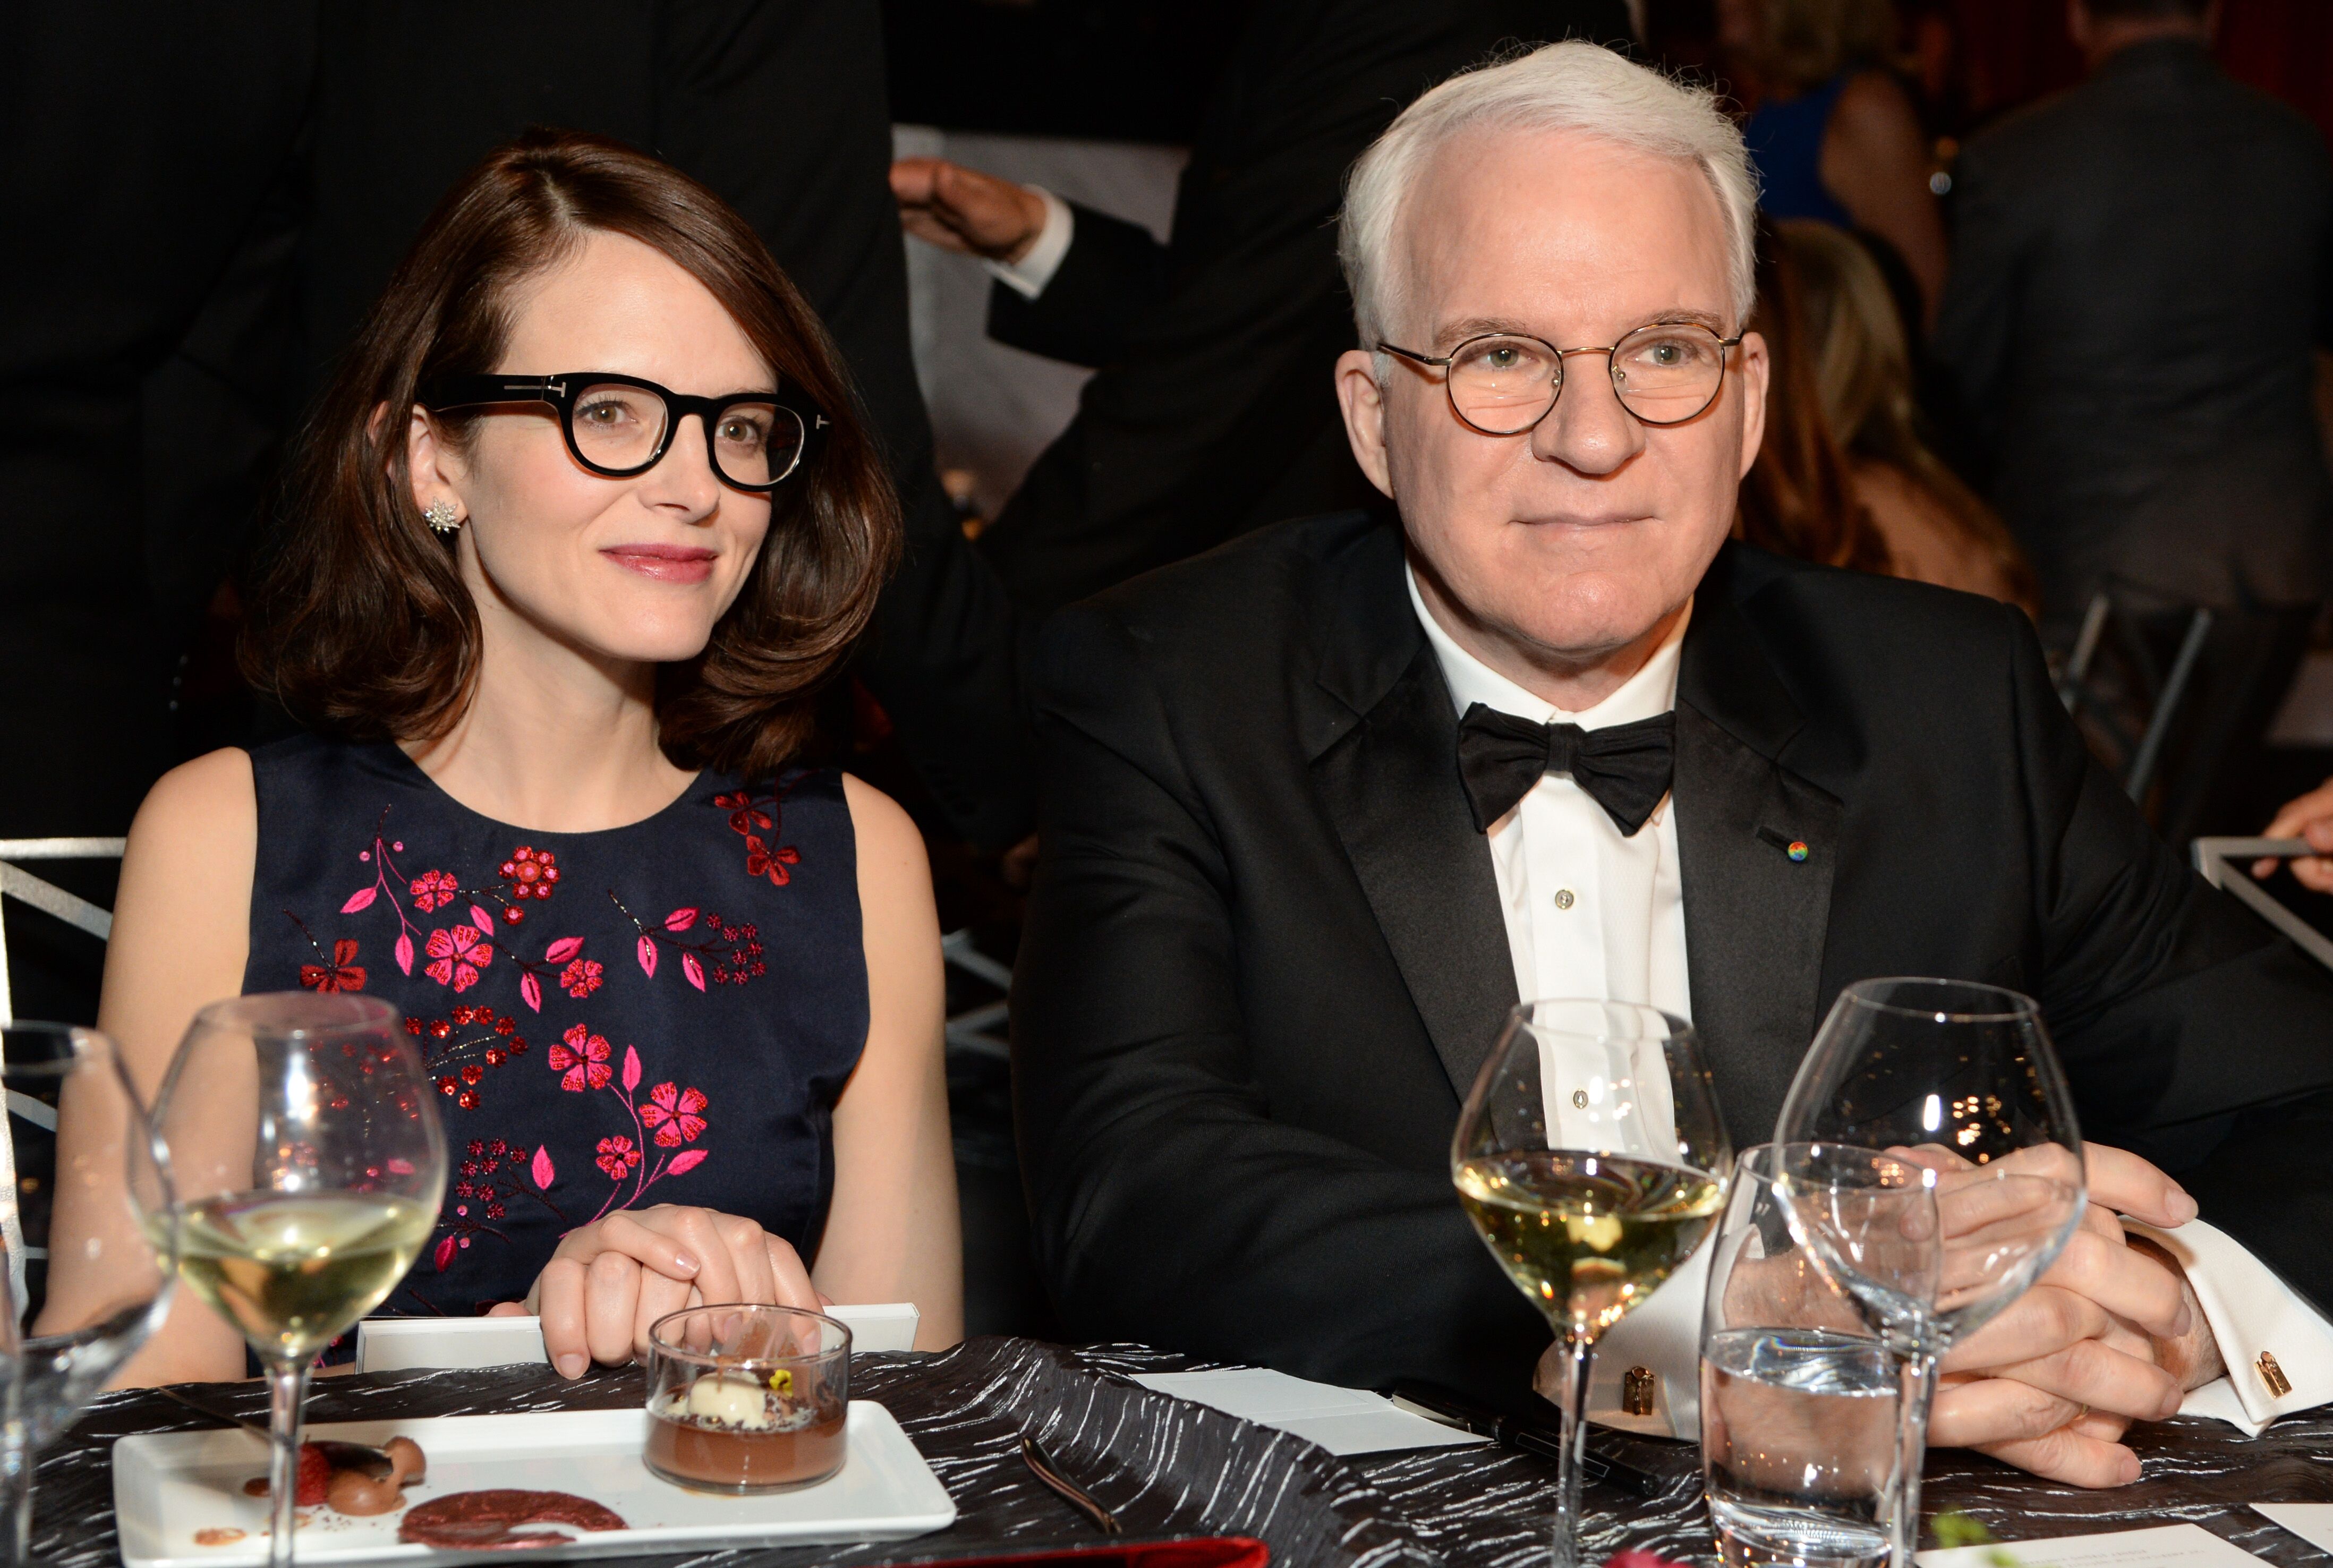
x=1785 y=142
x=663 y=1013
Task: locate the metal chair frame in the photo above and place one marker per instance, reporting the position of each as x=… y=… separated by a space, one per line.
x=2219 y=861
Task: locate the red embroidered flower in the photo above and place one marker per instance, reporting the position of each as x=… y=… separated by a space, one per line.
x=583 y=1058
x=433 y=890
x=531 y=873
x=673 y=1113
x=617 y=1157
x=762 y=860
x=339 y=974
x=580 y=977
x=744 y=816
x=459 y=955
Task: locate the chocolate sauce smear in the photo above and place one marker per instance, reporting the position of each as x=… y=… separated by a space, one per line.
x=487 y=1520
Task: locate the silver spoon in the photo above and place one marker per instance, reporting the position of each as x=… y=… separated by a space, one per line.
x=362 y=1457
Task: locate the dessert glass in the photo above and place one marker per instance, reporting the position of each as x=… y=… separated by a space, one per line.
x=744 y=1399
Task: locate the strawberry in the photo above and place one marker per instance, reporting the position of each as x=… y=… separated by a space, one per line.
x=315 y=1476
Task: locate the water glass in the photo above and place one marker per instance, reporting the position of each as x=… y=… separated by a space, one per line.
x=1798 y=1400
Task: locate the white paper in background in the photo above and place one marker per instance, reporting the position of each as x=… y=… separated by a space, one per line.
x=1341 y=1420
x=2312 y=1522
x=405 y=1345
x=2169 y=1547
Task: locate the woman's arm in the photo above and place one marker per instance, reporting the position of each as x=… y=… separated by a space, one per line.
x=1874 y=161
x=181 y=935
x=893 y=1232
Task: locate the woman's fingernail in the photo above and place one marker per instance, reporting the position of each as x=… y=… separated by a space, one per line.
x=2183 y=1208
x=570 y=1365
x=685 y=1261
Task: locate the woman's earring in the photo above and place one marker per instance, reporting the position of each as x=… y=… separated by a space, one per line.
x=443 y=515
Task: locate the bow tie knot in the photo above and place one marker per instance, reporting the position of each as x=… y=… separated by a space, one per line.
x=1625 y=767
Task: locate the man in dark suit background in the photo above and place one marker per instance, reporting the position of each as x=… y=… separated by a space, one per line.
x=1273 y=931
x=2142 y=267
x=1209 y=415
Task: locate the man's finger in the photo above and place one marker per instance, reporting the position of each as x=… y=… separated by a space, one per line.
x=911 y=180
x=1972 y=1413
x=2096 y=1376
x=2130 y=1284
x=2068 y=1457
x=2122 y=1181
x=2042 y=1321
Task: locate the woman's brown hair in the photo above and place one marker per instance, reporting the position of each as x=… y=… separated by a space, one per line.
x=361 y=625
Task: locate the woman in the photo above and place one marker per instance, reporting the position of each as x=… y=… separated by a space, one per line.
x=1935 y=527
x=1833 y=134
x=555 y=632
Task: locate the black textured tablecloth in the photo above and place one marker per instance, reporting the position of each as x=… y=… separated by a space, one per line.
x=1170 y=1467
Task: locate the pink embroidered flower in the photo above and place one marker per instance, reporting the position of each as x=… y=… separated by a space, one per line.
x=432 y=890
x=531 y=873
x=583 y=1058
x=673 y=1113
x=459 y=955
x=580 y=977
x=617 y=1157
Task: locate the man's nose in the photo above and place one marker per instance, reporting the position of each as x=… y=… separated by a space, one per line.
x=1588 y=430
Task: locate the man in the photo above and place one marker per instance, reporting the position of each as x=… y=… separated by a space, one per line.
x=2140 y=272
x=1272 y=939
x=1209 y=416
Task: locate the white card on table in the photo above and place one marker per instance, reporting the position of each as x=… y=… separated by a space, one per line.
x=404 y=1344
x=1341 y=1420
x=2312 y=1522
x=2167 y=1546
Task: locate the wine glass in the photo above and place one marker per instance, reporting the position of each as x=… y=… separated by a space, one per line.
x=309 y=1165
x=80 y=1167
x=1929 y=1157
x=1592 y=1160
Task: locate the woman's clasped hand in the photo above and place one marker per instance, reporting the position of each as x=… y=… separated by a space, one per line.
x=606 y=1281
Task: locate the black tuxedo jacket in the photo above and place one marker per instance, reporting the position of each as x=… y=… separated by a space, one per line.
x=1215 y=410
x=1264 y=956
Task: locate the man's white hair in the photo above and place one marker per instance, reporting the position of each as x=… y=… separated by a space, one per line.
x=1568 y=86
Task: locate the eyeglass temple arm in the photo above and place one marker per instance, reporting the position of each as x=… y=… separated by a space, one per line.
x=1384 y=348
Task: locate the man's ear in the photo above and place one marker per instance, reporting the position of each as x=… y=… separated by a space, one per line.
x=1363 y=401
x=1755 y=369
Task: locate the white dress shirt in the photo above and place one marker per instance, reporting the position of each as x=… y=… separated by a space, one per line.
x=1592 y=912
x=1028 y=276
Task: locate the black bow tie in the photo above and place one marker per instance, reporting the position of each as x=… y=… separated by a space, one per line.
x=1624 y=768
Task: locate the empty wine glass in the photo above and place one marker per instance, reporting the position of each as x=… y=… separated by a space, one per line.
x=1592 y=1160
x=309 y=1164
x=84 y=1216
x=1929 y=1157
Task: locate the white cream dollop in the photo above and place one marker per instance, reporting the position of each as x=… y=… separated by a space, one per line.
x=732 y=1401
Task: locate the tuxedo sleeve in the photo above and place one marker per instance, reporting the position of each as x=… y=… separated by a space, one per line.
x=2191 y=1031
x=1112 y=272
x=1168 y=1206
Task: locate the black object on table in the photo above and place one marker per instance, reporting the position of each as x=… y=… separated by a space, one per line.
x=1167 y=1467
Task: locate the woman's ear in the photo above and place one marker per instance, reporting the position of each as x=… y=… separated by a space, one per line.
x=435 y=469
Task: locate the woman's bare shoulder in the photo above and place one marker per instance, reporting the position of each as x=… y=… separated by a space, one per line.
x=213 y=792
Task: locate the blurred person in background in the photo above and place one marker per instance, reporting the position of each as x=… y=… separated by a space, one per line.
x=2310 y=817
x=1834 y=135
x=1935 y=528
x=2139 y=279
x=1210 y=415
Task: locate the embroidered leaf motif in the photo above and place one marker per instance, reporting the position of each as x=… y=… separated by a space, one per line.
x=405 y=953
x=680 y=919
x=693 y=969
x=543 y=1173
x=445 y=1245
x=683 y=1163
x=480 y=918
x=360 y=899
x=632 y=1068
x=530 y=991
x=646 y=951
x=562 y=950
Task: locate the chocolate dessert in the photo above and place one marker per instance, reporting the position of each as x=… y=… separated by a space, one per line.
x=488 y=1520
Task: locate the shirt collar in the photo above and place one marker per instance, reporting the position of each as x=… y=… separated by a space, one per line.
x=1647 y=694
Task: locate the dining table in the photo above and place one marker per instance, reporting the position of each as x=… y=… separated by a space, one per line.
x=1169 y=1468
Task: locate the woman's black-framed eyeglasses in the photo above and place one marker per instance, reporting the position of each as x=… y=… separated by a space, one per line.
x=619 y=426
x=1505 y=383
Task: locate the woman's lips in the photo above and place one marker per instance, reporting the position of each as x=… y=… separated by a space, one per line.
x=665 y=562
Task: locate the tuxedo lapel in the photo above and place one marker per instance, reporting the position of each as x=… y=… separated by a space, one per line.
x=1384 y=760
x=1755 y=918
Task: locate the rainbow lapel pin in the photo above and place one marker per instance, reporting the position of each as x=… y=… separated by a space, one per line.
x=1795 y=849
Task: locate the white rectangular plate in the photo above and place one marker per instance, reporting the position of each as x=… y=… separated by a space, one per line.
x=403 y=1344
x=166 y=1487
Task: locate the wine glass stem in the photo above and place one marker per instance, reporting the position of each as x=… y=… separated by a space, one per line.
x=16 y=1487
x=288 y=1385
x=1564 y=1552
x=1918 y=1382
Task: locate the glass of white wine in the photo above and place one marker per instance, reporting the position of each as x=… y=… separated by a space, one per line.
x=1591 y=1158
x=309 y=1165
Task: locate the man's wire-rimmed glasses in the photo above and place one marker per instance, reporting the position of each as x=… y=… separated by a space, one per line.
x=619 y=426
x=1505 y=383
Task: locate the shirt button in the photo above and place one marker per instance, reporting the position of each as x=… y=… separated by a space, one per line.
x=1563 y=899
